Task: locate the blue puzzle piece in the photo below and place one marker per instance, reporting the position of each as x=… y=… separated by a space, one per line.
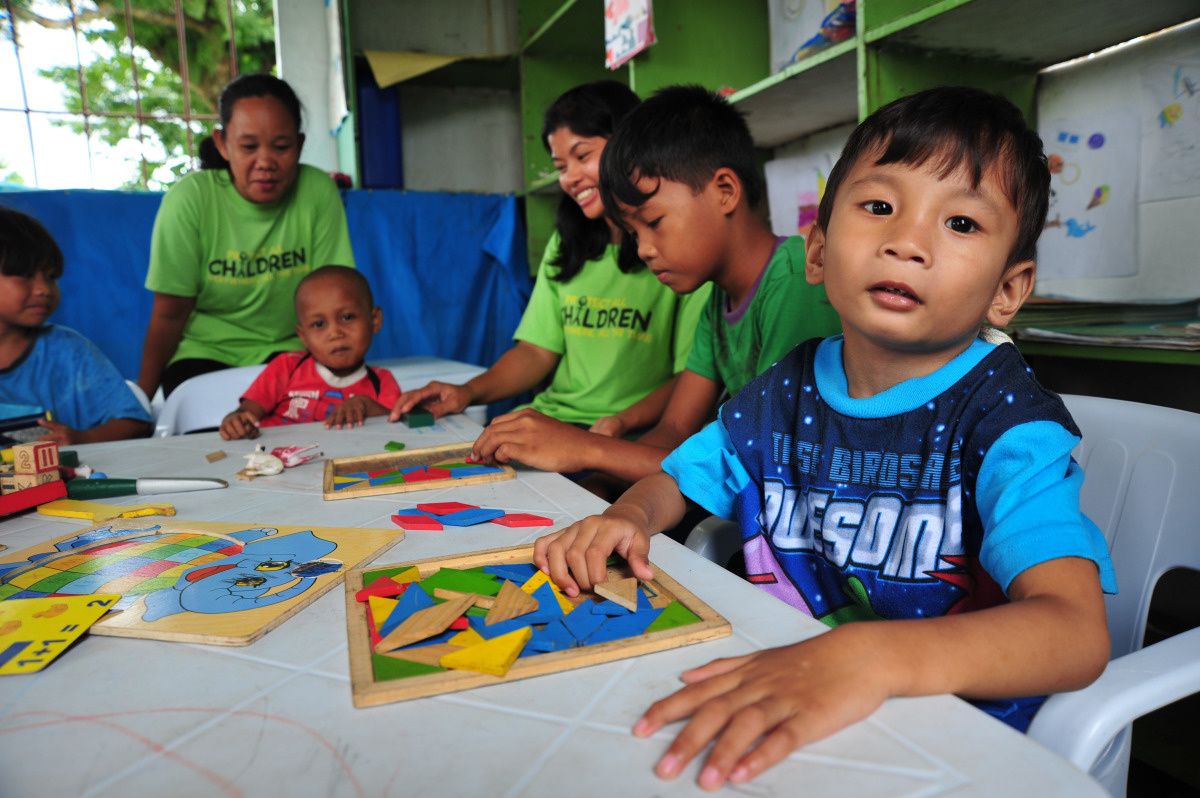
x=517 y=573
x=341 y=485
x=411 y=601
x=609 y=608
x=582 y=622
x=357 y=475
x=476 y=515
x=547 y=611
x=554 y=636
x=473 y=471
x=623 y=626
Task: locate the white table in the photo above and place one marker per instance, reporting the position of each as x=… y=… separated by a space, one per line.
x=122 y=717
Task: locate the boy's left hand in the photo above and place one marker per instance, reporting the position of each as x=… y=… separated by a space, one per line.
x=787 y=696
x=534 y=439
x=351 y=413
x=57 y=433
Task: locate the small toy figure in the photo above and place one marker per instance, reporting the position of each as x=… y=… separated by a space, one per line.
x=296 y=455
x=261 y=464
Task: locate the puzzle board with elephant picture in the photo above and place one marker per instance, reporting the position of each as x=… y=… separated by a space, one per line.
x=213 y=583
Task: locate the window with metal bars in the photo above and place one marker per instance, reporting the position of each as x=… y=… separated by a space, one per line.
x=118 y=94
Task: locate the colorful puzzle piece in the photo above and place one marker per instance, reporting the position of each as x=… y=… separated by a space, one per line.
x=417 y=418
x=427 y=655
x=674 y=614
x=475 y=470
x=477 y=515
x=425 y=474
x=554 y=636
x=582 y=622
x=517 y=572
x=493 y=656
x=523 y=520
x=510 y=602
x=622 y=591
x=393 y=446
x=381 y=608
x=384 y=586
x=623 y=626
x=417 y=522
x=467 y=637
x=34 y=631
x=445 y=508
x=469 y=580
x=537 y=580
x=423 y=623
x=411 y=602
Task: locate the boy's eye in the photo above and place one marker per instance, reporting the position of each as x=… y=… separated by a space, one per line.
x=317 y=324
x=877 y=207
x=962 y=224
x=348 y=317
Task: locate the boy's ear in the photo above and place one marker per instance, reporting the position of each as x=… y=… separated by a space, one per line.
x=814 y=256
x=729 y=189
x=376 y=320
x=1016 y=284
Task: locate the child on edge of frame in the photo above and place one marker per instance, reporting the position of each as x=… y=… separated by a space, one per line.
x=329 y=381
x=966 y=565
x=49 y=365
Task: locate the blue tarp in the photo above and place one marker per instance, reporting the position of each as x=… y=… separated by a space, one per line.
x=449 y=270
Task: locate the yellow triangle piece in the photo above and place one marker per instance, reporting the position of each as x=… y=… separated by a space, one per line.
x=381 y=608
x=493 y=656
x=539 y=579
x=347 y=480
x=412 y=574
x=467 y=637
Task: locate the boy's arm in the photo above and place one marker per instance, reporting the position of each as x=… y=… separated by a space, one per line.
x=575 y=557
x=541 y=442
x=243 y=422
x=116 y=429
x=639 y=415
x=1051 y=637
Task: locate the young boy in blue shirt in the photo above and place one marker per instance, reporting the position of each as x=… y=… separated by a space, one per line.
x=907 y=470
x=48 y=365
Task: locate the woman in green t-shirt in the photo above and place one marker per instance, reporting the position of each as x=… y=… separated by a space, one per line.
x=232 y=240
x=599 y=324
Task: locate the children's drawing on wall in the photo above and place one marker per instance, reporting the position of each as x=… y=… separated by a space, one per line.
x=1091 y=227
x=1170 y=119
x=796 y=181
x=628 y=29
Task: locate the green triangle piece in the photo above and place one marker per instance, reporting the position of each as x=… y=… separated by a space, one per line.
x=387 y=668
x=474 y=612
x=462 y=581
x=674 y=614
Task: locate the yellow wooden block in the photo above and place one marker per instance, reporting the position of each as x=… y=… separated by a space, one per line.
x=467 y=637
x=539 y=579
x=381 y=608
x=100 y=512
x=493 y=656
x=426 y=655
x=407 y=575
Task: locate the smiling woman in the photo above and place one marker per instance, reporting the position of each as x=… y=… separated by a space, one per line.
x=232 y=241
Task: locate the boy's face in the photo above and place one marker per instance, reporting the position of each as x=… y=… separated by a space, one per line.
x=681 y=233
x=27 y=301
x=335 y=323
x=915 y=263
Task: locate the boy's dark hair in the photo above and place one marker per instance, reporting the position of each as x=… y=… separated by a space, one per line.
x=352 y=276
x=241 y=87
x=684 y=134
x=593 y=109
x=957 y=127
x=26 y=247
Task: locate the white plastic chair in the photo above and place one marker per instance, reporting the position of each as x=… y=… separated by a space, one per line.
x=1142 y=488
x=143 y=400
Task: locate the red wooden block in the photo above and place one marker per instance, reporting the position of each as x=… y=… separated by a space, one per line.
x=522 y=519
x=379 y=472
x=426 y=474
x=422 y=522
x=460 y=623
x=31 y=497
x=445 y=508
x=384 y=587
x=371 y=630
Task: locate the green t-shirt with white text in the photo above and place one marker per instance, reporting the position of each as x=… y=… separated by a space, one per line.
x=783 y=312
x=619 y=335
x=241 y=261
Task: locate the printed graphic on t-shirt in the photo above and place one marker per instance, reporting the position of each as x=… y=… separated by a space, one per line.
x=605 y=317
x=250 y=267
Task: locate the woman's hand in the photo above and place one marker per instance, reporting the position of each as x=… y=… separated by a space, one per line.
x=439 y=398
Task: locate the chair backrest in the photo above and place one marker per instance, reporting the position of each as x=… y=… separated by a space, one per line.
x=202 y=401
x=140 y=395
x=1142 y=488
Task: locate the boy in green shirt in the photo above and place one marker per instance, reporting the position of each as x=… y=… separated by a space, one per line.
x=680 y=174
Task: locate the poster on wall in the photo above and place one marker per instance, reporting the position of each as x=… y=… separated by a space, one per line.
x=1091 y=226
x=1170 y=121
x=796 y=180
x=628 y=29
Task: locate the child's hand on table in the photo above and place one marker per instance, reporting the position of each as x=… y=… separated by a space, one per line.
x=350 y=413
x=576 y=557
x=787 y=697
x=57 y=433
x=535 y=439
x=439 y=398
x=239 y=424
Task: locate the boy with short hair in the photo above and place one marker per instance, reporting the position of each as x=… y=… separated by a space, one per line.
x=48 y=365
x=907 y=470
x=680 y=174
x=336 y=317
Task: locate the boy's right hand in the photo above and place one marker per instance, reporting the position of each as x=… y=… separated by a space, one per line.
x=439 y=398
x=239 y=424
x=576 y=557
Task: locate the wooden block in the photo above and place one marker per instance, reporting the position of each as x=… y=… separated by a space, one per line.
x=517 y=572
x=623 y=626
x=34 y=458
x=476 y=515
x=487 y=602
x=622 y=591
x=26 y=481
x=547 y=611
x=31 y=497
x=415 y=522
x=426 y=474
x=461 y=623
x=423 y=623
x=384 y=586
x=673 y=615
x=427 y=655
x=411 y=602
x=510 y=602
x=523 y=520
x=467 y=637
x=462 y=580
x=381 y=608
x=554 y=636
x=417 y=418
x=537 y=580
x=213 y=457
x=582 y=622
x=445 y=508
x=494 y=656
x=99 y=512
x=474 y=471
x=393 y=446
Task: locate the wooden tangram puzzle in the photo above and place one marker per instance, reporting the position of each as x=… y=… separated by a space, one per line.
x=221 y=584
x=414 y=469
x=453 y=623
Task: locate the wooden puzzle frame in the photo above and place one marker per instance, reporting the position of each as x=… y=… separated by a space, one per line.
x=367 y=692
x=410 y=457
